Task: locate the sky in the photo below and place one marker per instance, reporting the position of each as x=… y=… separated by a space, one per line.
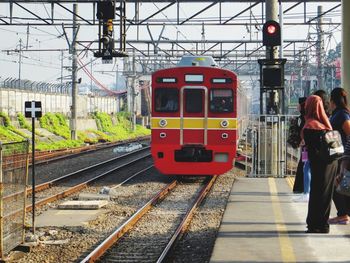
x=46 y=66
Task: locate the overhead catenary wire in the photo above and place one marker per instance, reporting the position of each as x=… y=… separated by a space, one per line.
x=99 y=84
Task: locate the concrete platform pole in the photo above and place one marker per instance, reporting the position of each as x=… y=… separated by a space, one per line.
x=345 y=46
x=272 y=9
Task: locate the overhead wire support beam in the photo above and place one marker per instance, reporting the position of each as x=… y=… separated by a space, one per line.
x=330 y=10
x=30 y=12
x=156 y=13
x=243 y=11
x=210 y=48
x=290 y=8
x=70 y=11
x=199 y=12
x=6 y=23
x=161 y=1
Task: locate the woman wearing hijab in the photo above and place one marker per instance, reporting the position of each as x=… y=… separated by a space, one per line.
x=322 y=172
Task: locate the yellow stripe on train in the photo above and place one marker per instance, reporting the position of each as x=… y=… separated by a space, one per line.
x=193 y=123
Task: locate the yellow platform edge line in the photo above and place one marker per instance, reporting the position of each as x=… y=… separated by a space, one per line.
x=286 y=247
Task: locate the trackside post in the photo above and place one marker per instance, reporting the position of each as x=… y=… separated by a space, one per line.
x=33 y=110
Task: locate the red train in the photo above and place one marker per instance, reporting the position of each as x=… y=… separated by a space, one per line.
x=194 y=118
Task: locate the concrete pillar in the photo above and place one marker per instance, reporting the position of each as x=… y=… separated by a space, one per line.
x=272 y=9
x=345 y=47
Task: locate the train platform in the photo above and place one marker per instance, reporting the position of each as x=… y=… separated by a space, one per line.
x=262 y=223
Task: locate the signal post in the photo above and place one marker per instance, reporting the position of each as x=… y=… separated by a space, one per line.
x=271 y=72
x=271 y=150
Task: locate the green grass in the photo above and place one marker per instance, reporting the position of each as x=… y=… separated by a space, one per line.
x=122 y=129
x=23 y=122
x=44 y=146
x=116 y=130
x=8 y=133
x=54 y=123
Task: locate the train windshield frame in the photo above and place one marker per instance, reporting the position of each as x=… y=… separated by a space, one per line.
x=166 y=99
x=221 y=100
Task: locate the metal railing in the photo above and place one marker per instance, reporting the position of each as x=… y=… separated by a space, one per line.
x=42 y=87
x=267 y=150
x=13 y=180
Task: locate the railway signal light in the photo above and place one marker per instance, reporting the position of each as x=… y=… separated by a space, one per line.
x=105 y=14
x=271 y=34
x=106 y=10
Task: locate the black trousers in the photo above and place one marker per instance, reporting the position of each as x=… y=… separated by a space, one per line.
x=298 y=186
x=321 y=191
x=342 y=203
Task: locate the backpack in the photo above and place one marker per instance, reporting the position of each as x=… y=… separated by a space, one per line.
x=331 y=146
x=294 y=138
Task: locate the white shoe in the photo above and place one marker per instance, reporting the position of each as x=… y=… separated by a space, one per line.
x=304 y=198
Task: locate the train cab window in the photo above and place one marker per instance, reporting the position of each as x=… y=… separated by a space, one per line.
x=166 y=100
x=221 y=100
x=193 y=100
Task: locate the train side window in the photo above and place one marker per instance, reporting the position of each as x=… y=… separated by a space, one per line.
x=193 y=100
x=221 y=100
x=166 y=100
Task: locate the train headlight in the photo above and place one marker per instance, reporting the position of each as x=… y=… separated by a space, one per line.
x=224 y=123
x=163 y=123
x=224 y=135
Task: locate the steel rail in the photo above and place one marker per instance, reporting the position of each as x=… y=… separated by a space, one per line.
x=80 y=186
x=68 y=153
x=182 y=228
x=75 y=188
x=51 y=183
x=119 y=232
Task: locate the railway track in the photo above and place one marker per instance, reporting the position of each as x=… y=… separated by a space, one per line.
x=45 y=157
x=74 y=182
x=172 y=207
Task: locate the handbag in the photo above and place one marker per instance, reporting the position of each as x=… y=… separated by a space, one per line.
x=331 y=146
x=343 y=187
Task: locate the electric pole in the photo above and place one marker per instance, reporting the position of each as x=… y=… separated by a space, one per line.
x=320 y=49
x=20 y=59
x=73 y=123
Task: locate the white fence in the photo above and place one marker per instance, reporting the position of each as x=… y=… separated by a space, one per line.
x=12 y=102
x=267 y=149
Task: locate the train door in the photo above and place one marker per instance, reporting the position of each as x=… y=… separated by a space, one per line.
x=194 y=115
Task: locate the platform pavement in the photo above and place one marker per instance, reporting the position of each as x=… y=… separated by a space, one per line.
x=263 y=224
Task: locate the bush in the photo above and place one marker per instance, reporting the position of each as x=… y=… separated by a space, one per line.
x=122 y=130
x=23 y=122
x=44 y=146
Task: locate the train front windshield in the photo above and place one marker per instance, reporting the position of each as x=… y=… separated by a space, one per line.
x=221 y=100
x=166 y=100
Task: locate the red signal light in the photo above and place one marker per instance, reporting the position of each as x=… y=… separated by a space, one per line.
x=271 y=34
x=271 y=29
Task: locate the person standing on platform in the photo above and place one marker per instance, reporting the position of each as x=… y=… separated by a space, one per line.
x=323 y=95
x=298 y=186
x=340 y=121
x=322 y=172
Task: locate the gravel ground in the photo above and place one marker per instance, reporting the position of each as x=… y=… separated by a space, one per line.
x=146 y=241
x=198 y=242
x=81 y=240
x=73 y=243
